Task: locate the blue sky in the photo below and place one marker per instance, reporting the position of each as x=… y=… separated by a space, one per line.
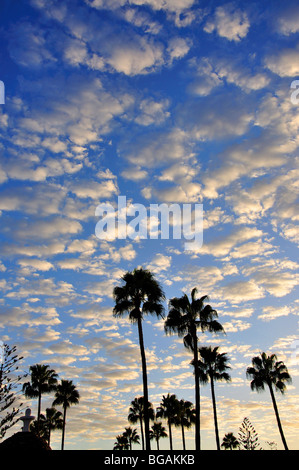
x=161 y=101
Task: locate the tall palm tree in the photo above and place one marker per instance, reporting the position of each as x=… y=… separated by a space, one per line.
x=141 y=294
x=168 y=410
x=157 y=431
x=66 y=395
x=132 y=436
x=230 y=441
x=185 y=417
x=184 y=318
x=266 y=370
x=136 y=413
x=213 y=367
x=43 y=380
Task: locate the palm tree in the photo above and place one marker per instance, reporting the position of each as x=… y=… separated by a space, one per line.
x=66 y=395
x=136 y=413
x=132 y=436
x=157 y=431
x=54 y=420
x=185 y=417
x=230 y=441
x=213 y=366
x=121 y=443
x=184 y=318
x=43 y=380
x=141 y=294
x=168 y=409
x=266 y=370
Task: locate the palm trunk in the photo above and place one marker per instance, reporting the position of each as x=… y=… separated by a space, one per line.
x=145 y=389
x=277 y=418
x=38 y=410
x=49 y=435
x=197 y=394
x=142 y=434
x=183 y=436
x=63 y=427
x=170 y=434
x=215 y=413
x=157 y=444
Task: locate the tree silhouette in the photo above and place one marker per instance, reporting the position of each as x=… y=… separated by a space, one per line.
x=157 y=432
x=43 y=380
x=184 y=318
x=10 y=385
x=66 y=395
x=140 y=295
x=185 y=417
x=213 y=367
x=132 y=436
x=230 y=442
x=168 y=410
x=121 y=443
x=136 y=413
x=248 y=437
x=266 y=370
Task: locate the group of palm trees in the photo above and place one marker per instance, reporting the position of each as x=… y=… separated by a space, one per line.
x=44 y=380
x=141 y=294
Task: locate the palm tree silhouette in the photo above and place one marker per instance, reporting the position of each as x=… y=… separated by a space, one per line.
x=121 y=443
x=132 y=436
x=266 y=370
x=168 y=409
x=185 y=417
x=43 y=380
x=136 y=413
x=212 y=366
x=230 y=442
x=157 y=431
x=66 y=395
x=141 y=294
x=54 y=420
x=184 y=318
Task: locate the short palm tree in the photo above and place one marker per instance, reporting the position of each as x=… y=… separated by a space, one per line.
x=136 y=413
x=184 y=318
x=157 y=432
x=266 y=370
x=168 y=410
x=132 y=436
x=140 y=295
x=43 y=380
x=54 y=420
x=66 y=395
x=185 y=417
x=121 y=443
x=212 y=367
x=230 y=441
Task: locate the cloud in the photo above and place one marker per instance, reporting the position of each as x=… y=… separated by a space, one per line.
x=211 y=72
x=158 y=148
x=152 y=112
x=223 y=246
x=230 y=23
x=285 y=63
x=28 y=45
x=94 y=190
x=271 y=313
x=288 y=21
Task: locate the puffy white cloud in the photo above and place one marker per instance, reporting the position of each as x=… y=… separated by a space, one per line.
x=230 y=23
x=285 y=63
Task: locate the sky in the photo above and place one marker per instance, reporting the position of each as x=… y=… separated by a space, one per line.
x=160 y=101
